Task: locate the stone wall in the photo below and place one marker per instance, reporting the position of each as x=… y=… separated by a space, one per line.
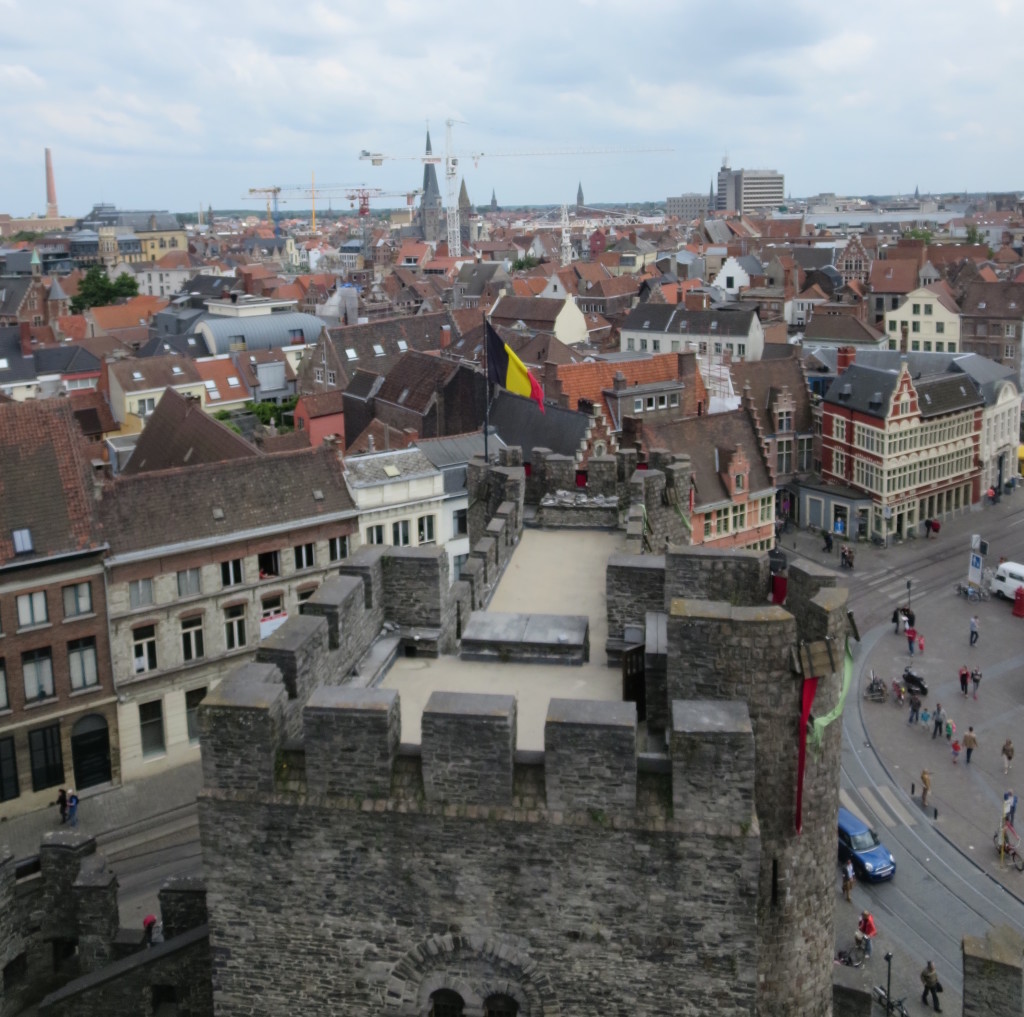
x=994 y=974
x=476 y=869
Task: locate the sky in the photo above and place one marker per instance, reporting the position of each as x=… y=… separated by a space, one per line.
x=159 y=105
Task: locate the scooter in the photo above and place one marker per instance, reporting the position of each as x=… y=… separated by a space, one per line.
x=899 y=692
x=876 y=690
x=914 y=681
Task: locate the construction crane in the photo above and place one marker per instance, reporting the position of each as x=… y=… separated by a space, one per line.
x=271 y=195
x=451 y=165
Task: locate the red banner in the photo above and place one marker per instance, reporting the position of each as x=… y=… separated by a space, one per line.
x=810 y=688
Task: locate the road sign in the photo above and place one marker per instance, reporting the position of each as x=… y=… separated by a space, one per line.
x=974 y=570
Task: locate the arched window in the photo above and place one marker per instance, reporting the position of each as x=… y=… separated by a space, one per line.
x=445 y=1003
x=500 y=1006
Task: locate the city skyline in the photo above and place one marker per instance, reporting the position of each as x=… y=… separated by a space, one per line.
x=177 y=106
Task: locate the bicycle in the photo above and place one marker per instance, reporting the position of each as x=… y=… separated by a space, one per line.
x=1007 y=842
x=852 y=958
x=894 y=1006
x=972 y=593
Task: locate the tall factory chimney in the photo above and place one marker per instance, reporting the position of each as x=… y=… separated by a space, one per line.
x=51 y=190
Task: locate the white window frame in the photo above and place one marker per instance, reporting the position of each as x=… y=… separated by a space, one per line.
x=192 y=642
x=82 y=667
x=32 y=609
x=140 y=593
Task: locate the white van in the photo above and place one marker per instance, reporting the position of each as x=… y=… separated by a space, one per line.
x=1008 y=579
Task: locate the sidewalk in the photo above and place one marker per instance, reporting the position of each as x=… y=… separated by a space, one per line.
x=108 y=810
x=967 y=799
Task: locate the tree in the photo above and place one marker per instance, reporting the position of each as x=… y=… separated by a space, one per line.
x=96 y=290
x=973 y=234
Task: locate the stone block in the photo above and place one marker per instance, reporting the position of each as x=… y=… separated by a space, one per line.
x=468 y=747
x=182 y=904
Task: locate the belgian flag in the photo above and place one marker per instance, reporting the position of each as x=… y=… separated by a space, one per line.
x=504 y=368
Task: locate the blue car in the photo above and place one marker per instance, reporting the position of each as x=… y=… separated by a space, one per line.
x=871 y=858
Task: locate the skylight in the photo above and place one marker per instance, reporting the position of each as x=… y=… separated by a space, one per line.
x=351 y=354
x=136 y=376
x=211 y=386
x=403 y=346
x=176 y=370
x=233 y=382
x=23 y=542
x=378 y=350
x=3 y=364
x=391 y=471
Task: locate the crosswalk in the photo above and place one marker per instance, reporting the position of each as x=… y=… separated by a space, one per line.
x=882 y=801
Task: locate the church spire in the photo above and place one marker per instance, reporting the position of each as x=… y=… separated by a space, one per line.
x=579 y=196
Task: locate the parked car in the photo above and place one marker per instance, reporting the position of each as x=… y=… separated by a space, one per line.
x=871 y=858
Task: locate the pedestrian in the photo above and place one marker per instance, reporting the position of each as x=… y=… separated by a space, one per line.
x=62 y=804
x=911 y=639
x=1012 y=811
x=970 y=744
x=950 y=729
x=976 y=680
x=848 y=879
x=72 y=808
x=927 y=529
x=897 y=617
x=974 y=629
x=148 y=925
x=866 y=927
x=955 y=748
x=931 y=983
x=1007 y=753
x=915 y=708
x=920 y=644
x=828 y=543
x=926 y=786
x=939 y=717
x=965 y=677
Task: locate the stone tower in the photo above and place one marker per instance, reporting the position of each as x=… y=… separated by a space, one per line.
x=579 y=198
x=465 y=212
x=51 y=189
x=430 y=201
x=494 y=200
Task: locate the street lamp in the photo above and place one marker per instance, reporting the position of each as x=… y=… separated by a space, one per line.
x=888 y=966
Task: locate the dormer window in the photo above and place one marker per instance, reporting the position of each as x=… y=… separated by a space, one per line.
x=738 y=485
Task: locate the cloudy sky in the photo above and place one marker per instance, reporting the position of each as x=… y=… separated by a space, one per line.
x=155 y=104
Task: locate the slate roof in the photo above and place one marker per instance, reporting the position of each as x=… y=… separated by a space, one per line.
x=422 y=332
x=843 y=328
x=153 y=372
x=384 y=437
x=68 y=358
x=676 y=319
x=177 y=505
x=375 y=468
x=946 y=394
x=179 y=433
x=518 y=421
x=457 y=449
x=15 y=368
x=12 y=293
x=994 y=300
x=869 y=390
x=45 y=483
x=810 y=258
x=532 y=311
x=701 y=438
x=413 y=381
x=766 y=379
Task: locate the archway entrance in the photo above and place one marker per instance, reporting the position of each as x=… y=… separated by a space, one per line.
x=90 y=751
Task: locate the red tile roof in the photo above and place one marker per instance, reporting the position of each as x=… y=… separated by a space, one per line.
x=218 y=373
x=72 y=326
x=893 y=275
x=127 y=314
x=588 y=380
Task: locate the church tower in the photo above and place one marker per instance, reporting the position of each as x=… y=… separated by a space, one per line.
x=465 y=212
x=494 y=200
x=430 y=202
x=579 y=198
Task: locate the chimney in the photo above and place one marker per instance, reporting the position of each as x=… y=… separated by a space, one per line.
x=845 y=356
x=697 y=300
x=51 y=189
x=446 y=336
x=619 y=381
x=25 y=335
x=370 y=445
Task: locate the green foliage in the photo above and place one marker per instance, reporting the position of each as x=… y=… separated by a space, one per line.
x=96 y=290
x=27 y=235
x=265 y=412
x=973 y=234
x=920 y=234
x=522 y=263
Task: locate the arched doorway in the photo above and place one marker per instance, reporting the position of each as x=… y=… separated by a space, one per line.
x=90 y=751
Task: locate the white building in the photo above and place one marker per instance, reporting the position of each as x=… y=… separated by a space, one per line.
x=747 y=191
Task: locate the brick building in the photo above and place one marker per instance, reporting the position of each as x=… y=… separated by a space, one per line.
x=58 y=720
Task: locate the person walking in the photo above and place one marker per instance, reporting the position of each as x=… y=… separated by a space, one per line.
x=911 y=617
x=866 y=927
x=62 y=804
x=974 y=629
x=828 y=543
x=939 y=716
x=1009 y=806
x=976 y=680
x=911 y=638
x=970 y=744
x=965 y=677
x=848 y=880
x=926 y=786
x=956 y=751
x=72 y=808
x=931 y=983
x=915 y=708
x=897 y=617
x=1007 y=754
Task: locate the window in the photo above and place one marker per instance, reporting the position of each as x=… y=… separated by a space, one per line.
x=460 y=522
x=319 y=374
x=741 y=349
x=803 y=457
x=231 y=572
x=1010 y=331
x=425 y=530
x=400 y=533
x=892 y=324
x=45 y=755
x=151 y=728
x=140 y=593
x=739 y=481
x=662 y=402
x=784 y=420
x=144 y=648
x=77 y=600
x=37 y=672
x=1008 y=351
x=337 y=548
x=22 y=538
x=375 y=534
x=650 y=402
x=655 y=345
x=784 y=456
x=82 y=664
x=940 y=327
x=305 y=556
x=8 y=770
x=445 y=1003
x=5 y=702
x=146 y=406
x=630 y=343
x=673 y=399
x=730 y=282
x=915 y=326
x=192 y=638
x=927 y=308
x=332 y=378
x=707 y=527
x=234 y=627
x=916 y=308
x=643 y=345
x=638 y=405
x=192 y=700
x=272 y=605
x=303 y=595
x=500 y=1005
x=269 y=564
x=32 y=609
x=189 y=583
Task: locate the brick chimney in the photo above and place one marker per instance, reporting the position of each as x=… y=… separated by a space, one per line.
x=446 y=336
x=25 y=335
x=619 y=381
x=845 y=356
x=697 y=300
